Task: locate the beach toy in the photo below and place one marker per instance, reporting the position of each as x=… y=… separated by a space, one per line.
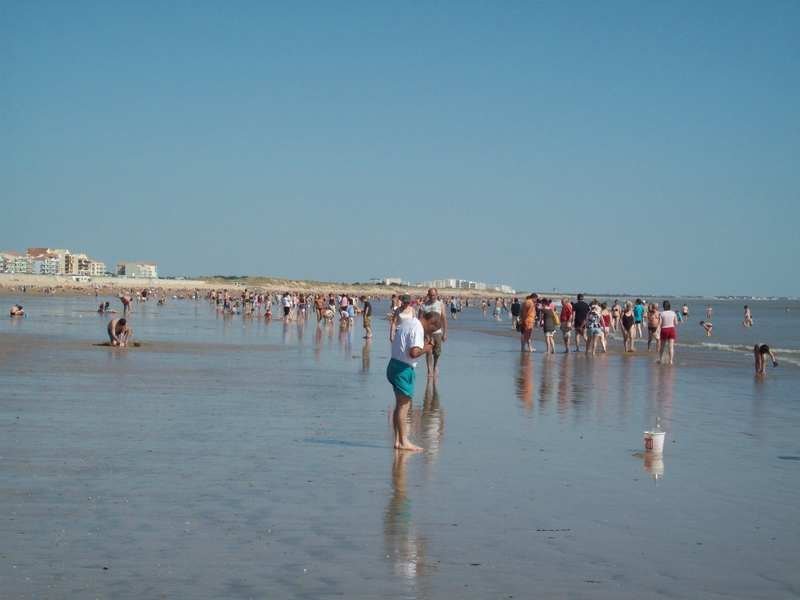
x=654 y=441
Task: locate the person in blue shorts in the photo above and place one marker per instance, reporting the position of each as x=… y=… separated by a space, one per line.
x=638 y=315
x=408 y=345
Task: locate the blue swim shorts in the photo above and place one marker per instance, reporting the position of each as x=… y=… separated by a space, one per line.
x=402 y=377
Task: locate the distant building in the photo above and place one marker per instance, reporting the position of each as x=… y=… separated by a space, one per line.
x=21 y=264
x=138 y=269
x=58 y=266
x=392 y=281
x=44 y=264
x=8 y=262
x=97 y=268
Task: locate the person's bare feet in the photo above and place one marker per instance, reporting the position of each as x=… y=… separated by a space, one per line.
x=408 y=446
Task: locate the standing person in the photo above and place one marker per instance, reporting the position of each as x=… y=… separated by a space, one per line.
x=453 y=307
x=759 y=350
x=301 y=306
x=319 y=305
x=407 y=346
x=549 y=324
x=685 y=310
x=616 y=311
x=627 y=322
x=606 y=315
x=498 y=308
x=433 y=304
x=638 y=316
x=516 y=309
x=119 y=332
x=581 y=312
x=669 y=331
x=594 y=326
x=567 y=314
x=709 y=312
x=366 y=315
x=286 y=301
x=748 y=317
x=528 y=319
x=653 y=325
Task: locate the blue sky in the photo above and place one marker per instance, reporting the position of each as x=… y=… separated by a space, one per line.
x=612 y=146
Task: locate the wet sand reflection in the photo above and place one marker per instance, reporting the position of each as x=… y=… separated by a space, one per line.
x=525 y=380
x=405 y=547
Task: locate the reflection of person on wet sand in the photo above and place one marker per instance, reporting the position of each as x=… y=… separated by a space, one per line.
x=525 y=380
x=759 y=352
x=431 y=419
x=404 y=547
x=364 y=355
x=119 y=333
x=407 y=346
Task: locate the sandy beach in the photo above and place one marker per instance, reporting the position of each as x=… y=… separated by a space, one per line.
x=231 y=458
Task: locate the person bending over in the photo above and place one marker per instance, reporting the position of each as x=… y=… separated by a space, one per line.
x=119 y=333
x=759 y=350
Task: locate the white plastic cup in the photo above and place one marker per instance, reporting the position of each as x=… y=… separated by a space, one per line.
x=654 y=441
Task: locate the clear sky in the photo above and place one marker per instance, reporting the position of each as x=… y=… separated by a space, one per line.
x=607 y=146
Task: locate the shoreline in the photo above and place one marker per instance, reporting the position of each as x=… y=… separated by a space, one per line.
x=65 y=285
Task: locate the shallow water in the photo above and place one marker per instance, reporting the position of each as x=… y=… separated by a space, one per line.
x=232 y=458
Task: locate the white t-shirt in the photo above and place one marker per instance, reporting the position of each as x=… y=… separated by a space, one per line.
x=668 y=319
x=409 y=334
x=287 y=302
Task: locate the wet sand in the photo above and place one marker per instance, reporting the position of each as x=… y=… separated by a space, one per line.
x=237 y=459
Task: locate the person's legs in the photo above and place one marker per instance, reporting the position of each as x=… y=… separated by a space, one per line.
x=400 y=421
x=603 y=342
x=436 y=338
x=661 y=352
x=671 y=350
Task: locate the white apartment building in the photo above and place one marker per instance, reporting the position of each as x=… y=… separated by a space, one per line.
x=21 y=264
x=44 y=264
x=138 y=269
x=96 y=268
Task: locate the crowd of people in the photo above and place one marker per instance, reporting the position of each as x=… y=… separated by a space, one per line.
x=418 y=327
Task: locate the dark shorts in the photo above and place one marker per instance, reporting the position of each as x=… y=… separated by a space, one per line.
x=285 y=311
x=652 y=329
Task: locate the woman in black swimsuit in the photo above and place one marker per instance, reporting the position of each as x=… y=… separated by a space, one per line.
x=627 y=327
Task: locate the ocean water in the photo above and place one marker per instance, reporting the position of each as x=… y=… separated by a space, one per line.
x=232 y=458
